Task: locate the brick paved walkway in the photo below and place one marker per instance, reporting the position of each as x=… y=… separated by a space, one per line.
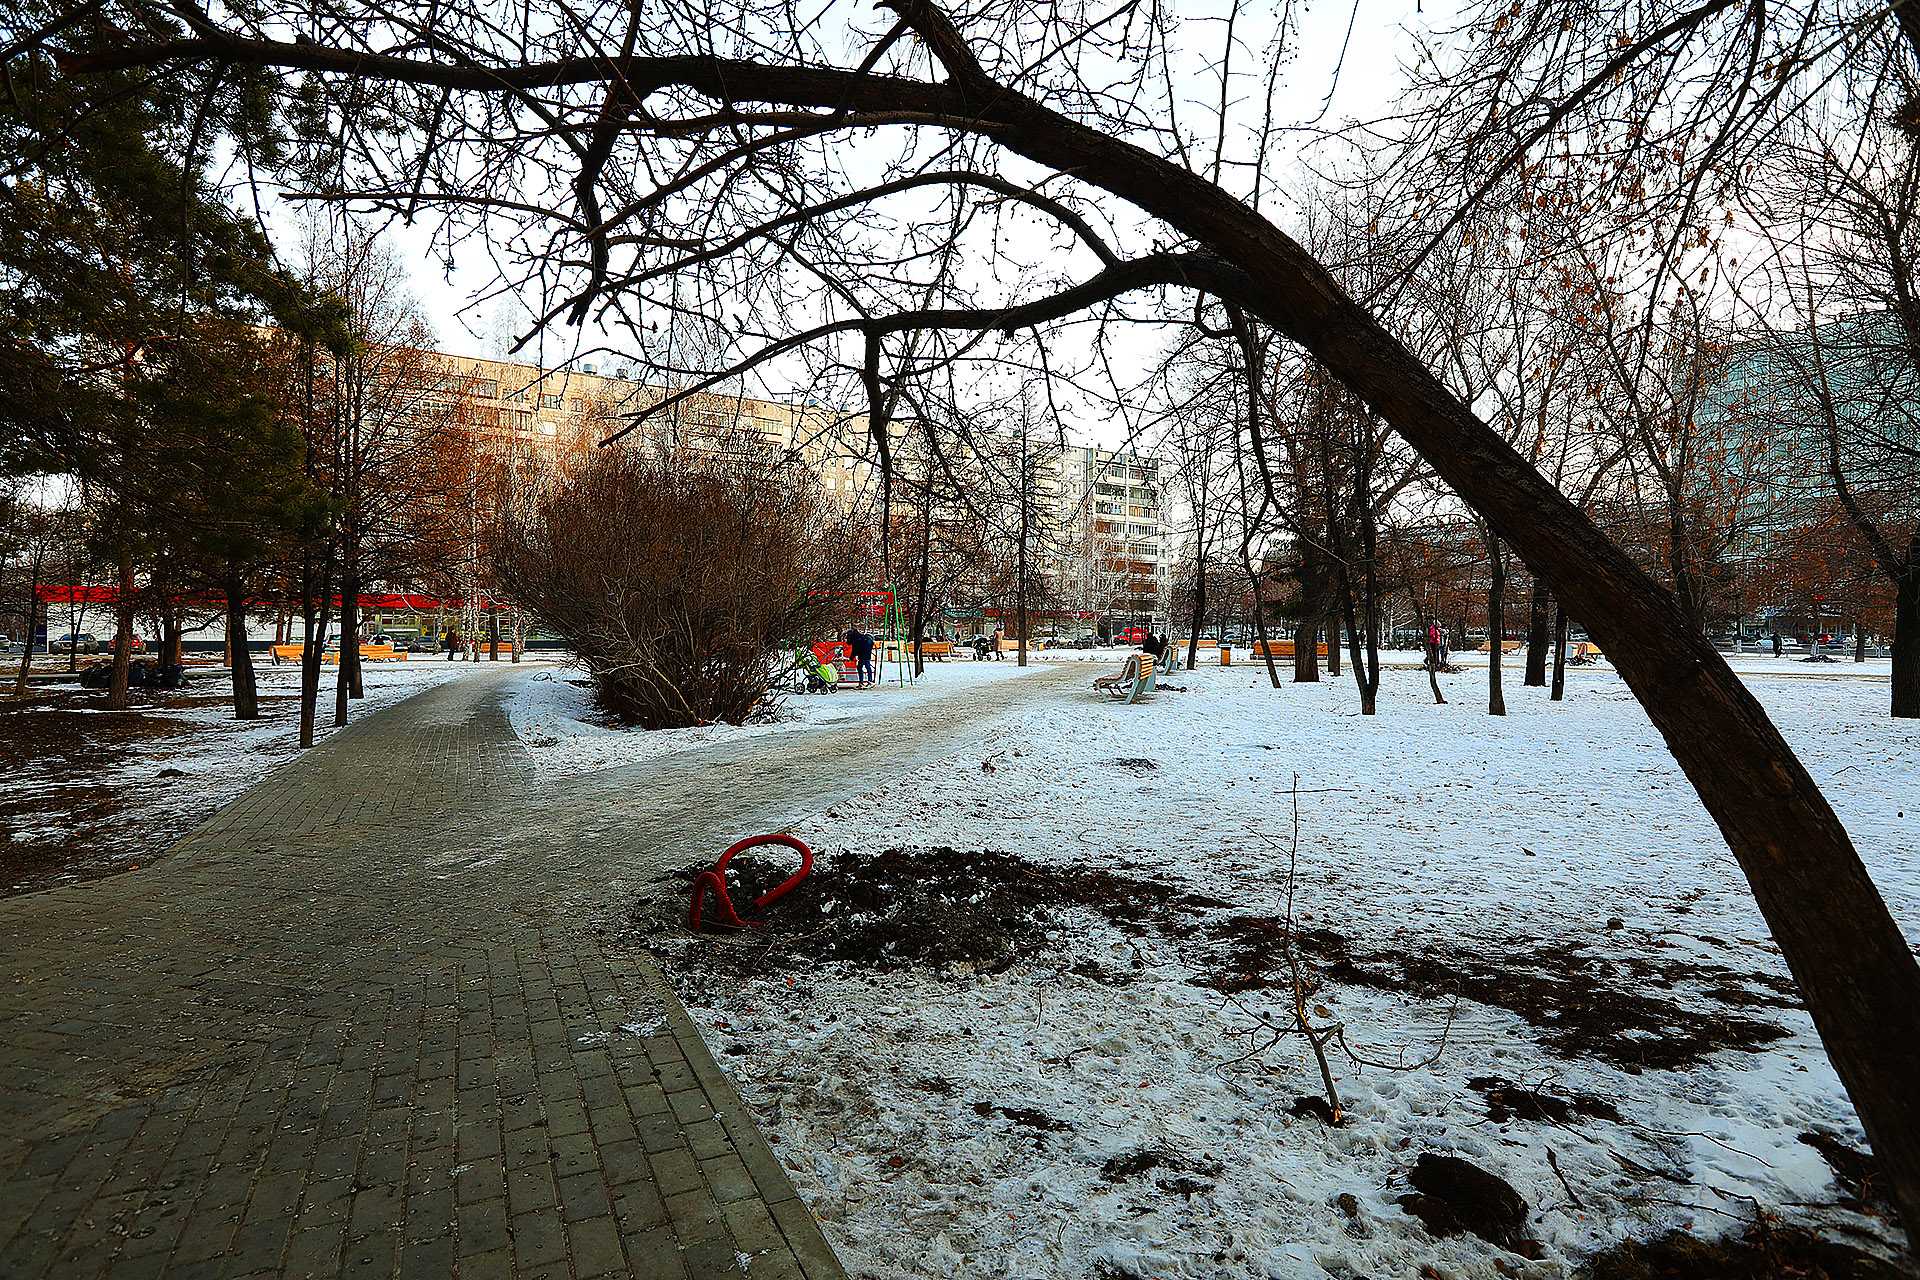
x=378 y=1018
x=317 y=1040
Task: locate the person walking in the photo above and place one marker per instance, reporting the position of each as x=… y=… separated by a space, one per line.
x=1777 y=646
x=453 y=644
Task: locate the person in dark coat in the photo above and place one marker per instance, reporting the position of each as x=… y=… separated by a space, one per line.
x=862 y=645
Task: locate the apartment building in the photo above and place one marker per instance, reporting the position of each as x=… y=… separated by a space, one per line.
x=1111 y=517
x=553 y=411
x=1100 y=539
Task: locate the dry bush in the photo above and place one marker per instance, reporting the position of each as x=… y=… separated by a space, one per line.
x=681 y=579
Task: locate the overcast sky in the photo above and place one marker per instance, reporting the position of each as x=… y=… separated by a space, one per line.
x=1369 y=81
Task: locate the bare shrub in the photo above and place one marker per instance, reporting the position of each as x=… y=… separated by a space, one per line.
x=679 y=578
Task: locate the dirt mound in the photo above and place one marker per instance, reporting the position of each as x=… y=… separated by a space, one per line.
x=1635 y=1011
x=1507 y=1100
x=1763 y=1253
x=945 y=910
x=1453 y=1196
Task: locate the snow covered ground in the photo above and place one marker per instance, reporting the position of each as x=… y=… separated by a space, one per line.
x=85 y=791
x=564 y=732
x=1536 y=902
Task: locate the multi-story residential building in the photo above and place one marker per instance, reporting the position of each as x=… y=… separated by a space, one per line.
x=1099 y=538
x=550 y=411
x=1110 y=509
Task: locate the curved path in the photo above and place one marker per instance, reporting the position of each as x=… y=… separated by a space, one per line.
x=378 y=1017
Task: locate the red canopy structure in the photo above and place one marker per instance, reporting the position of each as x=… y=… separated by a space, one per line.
x=394 y=602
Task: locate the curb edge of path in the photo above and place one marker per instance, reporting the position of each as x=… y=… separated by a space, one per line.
x=792 y=1214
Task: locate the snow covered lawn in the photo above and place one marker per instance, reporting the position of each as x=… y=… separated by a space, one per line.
x=85 y=792
x=565 y=732
x=1540 y=955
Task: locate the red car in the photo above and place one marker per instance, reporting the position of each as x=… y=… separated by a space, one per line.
x=1131 y=635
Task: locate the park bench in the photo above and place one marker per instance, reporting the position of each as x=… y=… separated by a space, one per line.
x=1132 y=682
x=1281 y=649
x=1506 y=646
x=937 y=650
x=287 y=653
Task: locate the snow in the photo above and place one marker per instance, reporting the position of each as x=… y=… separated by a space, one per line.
x=563 y=730
x=1423 y=827
x=134 y=811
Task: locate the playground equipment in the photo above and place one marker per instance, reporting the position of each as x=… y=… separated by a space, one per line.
x=714 y=881
x=879 y=609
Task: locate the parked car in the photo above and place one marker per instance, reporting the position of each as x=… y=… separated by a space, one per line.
x=1085 y=640
x=73 y=642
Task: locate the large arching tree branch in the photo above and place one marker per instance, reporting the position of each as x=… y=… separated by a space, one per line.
x=1853 y=965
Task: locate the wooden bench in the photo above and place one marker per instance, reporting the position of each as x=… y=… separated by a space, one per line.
x=1506 y=646
x=937 y=650
x=1282 y=648
x=1132 y=682
x=368 y=653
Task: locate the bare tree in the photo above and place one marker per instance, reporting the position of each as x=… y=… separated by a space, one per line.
x=726 y=140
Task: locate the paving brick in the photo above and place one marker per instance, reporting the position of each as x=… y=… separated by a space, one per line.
x=352 y=1053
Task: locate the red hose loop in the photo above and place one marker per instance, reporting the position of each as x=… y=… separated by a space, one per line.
x=715 y=881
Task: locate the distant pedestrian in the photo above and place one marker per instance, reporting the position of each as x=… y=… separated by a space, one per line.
x=453 y=644
x=1778 y=648
x=862 y=645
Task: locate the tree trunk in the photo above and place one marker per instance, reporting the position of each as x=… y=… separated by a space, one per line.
x=350 y=665
x=1537 y=636
x=919 y=634
x=1260 y=625
x=1859 y=641
x=122 y=633
x=1906 y=635
x=519 y=634
x=1366 y=688
x=1332 y=622
x=349 y=640
x=1496 y=626
x=1020 y=575
x=1306 y=652
x=1559 y=653
x=1433 y=666
x=35 y=562
x=246 y=698
x=1199 y=610
x=315 y=614
x=172 y=632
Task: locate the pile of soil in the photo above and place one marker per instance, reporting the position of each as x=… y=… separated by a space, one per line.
x=1507 y=1100
x=1585 y=1004
x=949 y=911
x=1763 y=1253
x=1454 y=1197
